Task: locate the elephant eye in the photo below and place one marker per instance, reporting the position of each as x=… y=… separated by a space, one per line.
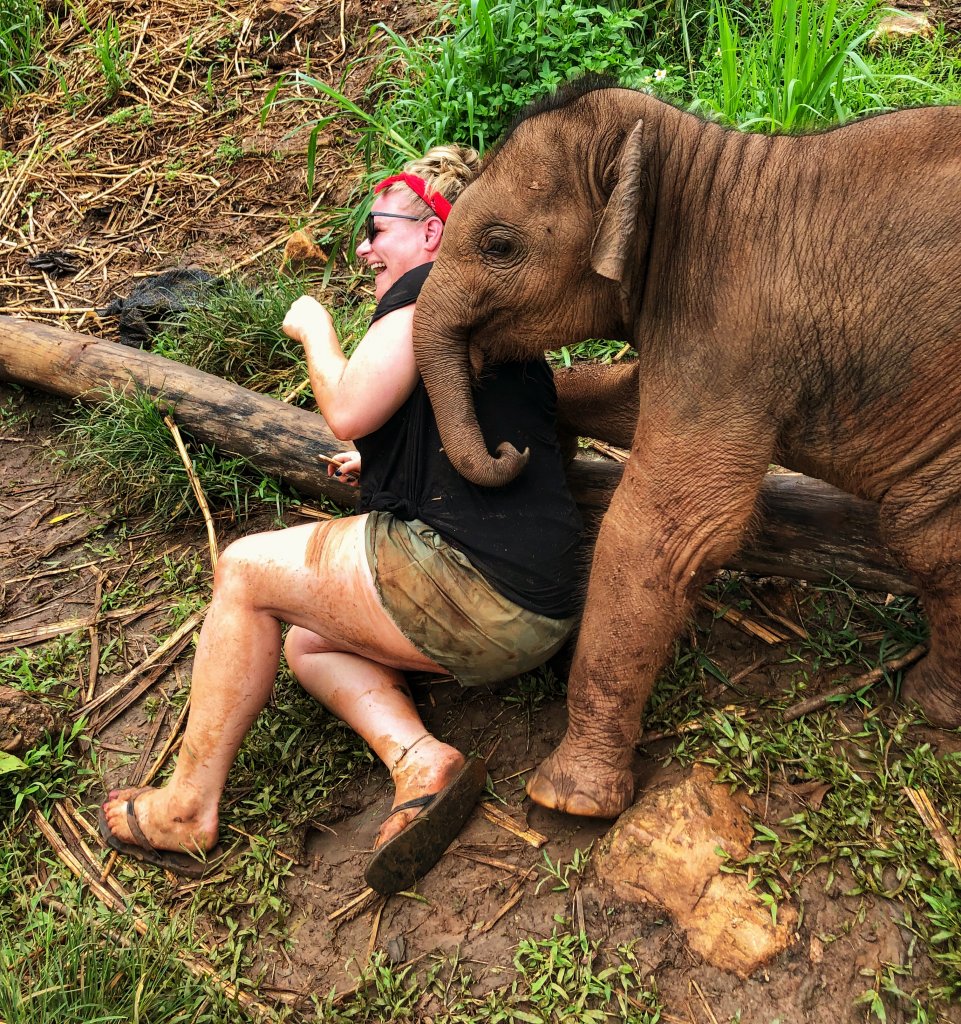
x=497 y=246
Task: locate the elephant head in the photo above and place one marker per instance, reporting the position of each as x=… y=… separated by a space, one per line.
x=538 y=253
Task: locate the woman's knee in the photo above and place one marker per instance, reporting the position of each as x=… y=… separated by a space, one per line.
x=300 y=644
x=238 y=561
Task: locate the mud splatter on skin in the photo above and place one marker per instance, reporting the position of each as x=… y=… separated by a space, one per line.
x=317 y=545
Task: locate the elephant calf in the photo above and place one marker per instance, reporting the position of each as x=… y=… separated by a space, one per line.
x=791 y=300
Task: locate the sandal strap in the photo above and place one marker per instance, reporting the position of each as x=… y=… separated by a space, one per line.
x=135 y=830
x=419 y=801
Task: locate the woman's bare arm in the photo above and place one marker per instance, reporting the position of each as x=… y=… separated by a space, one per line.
x=358 y=395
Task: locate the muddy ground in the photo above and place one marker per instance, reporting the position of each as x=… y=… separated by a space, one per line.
x=841 y=940
x=60 y=549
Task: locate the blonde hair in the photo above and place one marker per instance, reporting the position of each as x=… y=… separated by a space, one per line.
x=446 y=169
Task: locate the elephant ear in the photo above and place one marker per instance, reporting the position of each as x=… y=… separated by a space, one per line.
x=615 y=236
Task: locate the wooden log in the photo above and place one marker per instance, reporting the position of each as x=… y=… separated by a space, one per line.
x=807 y=529
x=278 y=439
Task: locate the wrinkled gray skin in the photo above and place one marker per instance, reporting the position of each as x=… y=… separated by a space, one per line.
x=792 y=299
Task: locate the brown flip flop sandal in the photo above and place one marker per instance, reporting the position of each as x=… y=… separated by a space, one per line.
x=397 y=864
x=180 y=862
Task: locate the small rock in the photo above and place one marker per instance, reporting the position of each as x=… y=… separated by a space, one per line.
x=663 y=851
x=901 y=25
x=301 y=249
x=23 y=721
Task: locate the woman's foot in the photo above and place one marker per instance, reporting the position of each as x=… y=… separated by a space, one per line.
x=167 y=821
x=425 y=769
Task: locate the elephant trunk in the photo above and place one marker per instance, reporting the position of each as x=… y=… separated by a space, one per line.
x=443 y=363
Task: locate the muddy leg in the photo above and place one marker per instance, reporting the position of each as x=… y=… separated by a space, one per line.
x=935 y=682
x=680 y=510
x=923 y=526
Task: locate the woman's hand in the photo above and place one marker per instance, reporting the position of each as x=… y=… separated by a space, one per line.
x=346 y=467
x=306 y=318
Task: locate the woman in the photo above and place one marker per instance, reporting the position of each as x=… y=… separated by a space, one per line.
x=435 y=575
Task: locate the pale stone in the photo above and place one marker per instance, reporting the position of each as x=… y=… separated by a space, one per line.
x=901 y=24
x=301 y=248
x=663 y=851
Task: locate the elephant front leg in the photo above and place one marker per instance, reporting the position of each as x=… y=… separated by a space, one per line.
x=669 y=527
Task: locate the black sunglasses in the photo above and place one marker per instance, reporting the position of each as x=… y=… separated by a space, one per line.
x=372 y=228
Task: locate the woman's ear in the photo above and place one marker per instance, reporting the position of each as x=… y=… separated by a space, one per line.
x=433 y=232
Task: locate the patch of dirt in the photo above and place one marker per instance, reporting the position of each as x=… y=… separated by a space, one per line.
x=131 y=203
x=467 y=907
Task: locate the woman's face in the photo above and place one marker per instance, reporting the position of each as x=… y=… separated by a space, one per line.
x=399 y=244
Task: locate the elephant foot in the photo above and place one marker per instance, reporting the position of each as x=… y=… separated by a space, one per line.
x=937 y=694
x=585 y=786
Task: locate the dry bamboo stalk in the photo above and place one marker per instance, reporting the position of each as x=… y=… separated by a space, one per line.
x=704 y=1002
x=491 y=862
x=94 y=636
x=789 y=624
x=513 y=898
x=168 y=747
x=140 y=767
x=822 y=700
x=8 y=201
x=53 y=572
x=182 y=633
x=378 y=913
x=131 y=696
x=294 y=392
x=68 y=815
x=73 y=863
x=928 y=813
x=355 y=906
x=497 y=817
x=197 y=489
x=484 y=928
x=579 y=912
x=311 y=513
x=36 y=634
x=742 y=621
x=617 y=454
x=46 y=310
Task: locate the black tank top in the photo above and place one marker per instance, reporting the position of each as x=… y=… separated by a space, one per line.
x=522 y=537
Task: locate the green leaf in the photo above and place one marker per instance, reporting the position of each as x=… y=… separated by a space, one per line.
x=10 y=763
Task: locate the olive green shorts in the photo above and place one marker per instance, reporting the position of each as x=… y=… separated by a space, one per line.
x=448 y=611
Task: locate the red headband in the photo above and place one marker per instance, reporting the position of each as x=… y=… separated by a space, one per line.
x=434 y=199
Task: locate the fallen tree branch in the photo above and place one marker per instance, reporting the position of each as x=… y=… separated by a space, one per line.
x=822 y=700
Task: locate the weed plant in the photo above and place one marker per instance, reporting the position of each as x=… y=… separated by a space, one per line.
x=22 y=27
x=563 y=979
x=796 y=65
x=465 y=81
x=122 y=449
x=237 y=334
x=114 y=58
x=66 y=959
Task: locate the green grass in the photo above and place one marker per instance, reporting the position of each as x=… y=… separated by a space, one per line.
x=22 y=28
x=121 y=449
x=236 y=333
x=795 y=65
x=65 y=958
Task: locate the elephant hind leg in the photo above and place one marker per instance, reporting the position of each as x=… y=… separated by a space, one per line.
x=930 y=546
x=935 y=682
